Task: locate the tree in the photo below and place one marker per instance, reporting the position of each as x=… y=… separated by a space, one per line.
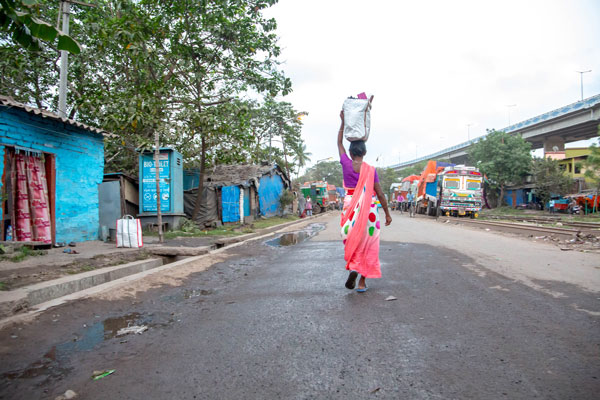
x=505 y=159
x=592 y=169
x=18 y=18
x=387 y=176
x=549 y=179
x=330 y=171
x=414 y=170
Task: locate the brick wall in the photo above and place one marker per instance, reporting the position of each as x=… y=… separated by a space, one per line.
x=79 y=156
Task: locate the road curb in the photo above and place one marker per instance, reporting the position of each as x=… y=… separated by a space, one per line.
x=53 y=293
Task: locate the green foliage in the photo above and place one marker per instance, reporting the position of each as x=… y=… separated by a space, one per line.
x=549 y=179
x=19 y=20
x=286 y=199
x=505 y=159
x=414 y=170
x=387 y=176
x=592 y=167
x=181 y=69
x=330 y=171
x=21 y=254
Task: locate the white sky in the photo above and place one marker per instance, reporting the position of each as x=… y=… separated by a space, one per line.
x=434 y=66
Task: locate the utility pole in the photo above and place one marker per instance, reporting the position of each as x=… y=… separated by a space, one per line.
x=65 y=9
x=157 y=177
x=581 y=80
x=508 y=106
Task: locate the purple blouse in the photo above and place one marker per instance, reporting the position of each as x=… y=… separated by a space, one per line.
x=351 y=177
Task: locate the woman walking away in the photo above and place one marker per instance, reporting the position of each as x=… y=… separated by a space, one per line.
x=360 y=218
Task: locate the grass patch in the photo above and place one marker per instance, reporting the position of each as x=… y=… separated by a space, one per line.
x=87 y=268
x=269 y=222
x=188 y=229
x=3 y=286
x=21 y=254
x=499 y=211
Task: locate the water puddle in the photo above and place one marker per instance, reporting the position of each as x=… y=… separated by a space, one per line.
x=50 y=364
x=293 y=238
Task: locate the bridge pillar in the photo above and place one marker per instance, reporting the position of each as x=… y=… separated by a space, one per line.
x=553 y=142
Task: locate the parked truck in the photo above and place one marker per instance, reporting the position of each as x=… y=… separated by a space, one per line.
x=448 y=189
x=319 y=195
x=427 y=189
x=460 y=191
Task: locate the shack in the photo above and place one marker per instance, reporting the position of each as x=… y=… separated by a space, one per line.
x=237 y=193
x=51 y=168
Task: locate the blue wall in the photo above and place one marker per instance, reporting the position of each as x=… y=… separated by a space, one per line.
x=230 y=200
x=79 y=156
x=269 y=192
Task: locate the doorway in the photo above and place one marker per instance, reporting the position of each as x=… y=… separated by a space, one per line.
x=28 y=196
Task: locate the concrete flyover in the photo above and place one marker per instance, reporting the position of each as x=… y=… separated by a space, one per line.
x=577 y=121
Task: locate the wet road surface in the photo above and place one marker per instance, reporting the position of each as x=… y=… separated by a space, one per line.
x=275 y=321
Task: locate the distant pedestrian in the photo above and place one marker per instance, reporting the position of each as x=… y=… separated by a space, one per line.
x=308 y=207
x=400 y=200
x=301 y=204
x=360 y=225
x=551 y=206
x=410 y=198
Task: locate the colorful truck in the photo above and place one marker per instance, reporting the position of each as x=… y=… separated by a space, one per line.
x=319 y=195
x=427 y=189
x=448 y=189
x=460 y=191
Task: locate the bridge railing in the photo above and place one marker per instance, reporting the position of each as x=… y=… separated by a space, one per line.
x=579 y=105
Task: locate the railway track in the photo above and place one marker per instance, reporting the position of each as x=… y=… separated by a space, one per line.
x=551 y=220
x=523 y=229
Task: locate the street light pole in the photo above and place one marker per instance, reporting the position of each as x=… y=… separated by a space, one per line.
x=469 y=131
x=581 y=80
x=508 y=106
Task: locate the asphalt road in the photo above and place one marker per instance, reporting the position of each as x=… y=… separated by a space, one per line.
x=277 y=323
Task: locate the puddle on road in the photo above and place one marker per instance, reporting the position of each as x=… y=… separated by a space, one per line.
x=292 y=238
x=94 y=334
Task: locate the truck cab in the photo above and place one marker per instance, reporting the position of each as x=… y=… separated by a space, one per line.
x=460 y=191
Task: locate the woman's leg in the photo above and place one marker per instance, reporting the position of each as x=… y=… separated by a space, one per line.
x=362 y=282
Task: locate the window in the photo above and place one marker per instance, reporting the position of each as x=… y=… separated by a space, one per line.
x=451 y=184
x=473 y=185
x=577 y=169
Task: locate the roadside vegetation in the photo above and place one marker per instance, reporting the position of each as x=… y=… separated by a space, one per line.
x=189 y=229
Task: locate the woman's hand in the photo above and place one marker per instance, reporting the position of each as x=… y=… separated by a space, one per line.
x=388 y=220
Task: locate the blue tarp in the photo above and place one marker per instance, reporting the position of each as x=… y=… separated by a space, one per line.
x=230 y=199
x=269 y=192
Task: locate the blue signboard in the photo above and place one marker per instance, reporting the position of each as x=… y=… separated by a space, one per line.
x=149 y=194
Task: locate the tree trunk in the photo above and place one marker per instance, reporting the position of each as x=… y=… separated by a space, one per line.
x=501 y=199
x=201 y=183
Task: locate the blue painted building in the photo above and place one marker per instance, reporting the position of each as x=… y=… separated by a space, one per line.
x=72 y=154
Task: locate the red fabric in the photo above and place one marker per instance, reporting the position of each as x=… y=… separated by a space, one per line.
x=32 y=213
x=366 y=182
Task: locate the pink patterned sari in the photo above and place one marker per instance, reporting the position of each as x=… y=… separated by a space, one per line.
x=31 y=214
x=360 y=226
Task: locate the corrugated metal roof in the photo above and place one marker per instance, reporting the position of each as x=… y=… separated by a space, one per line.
x=8 y=101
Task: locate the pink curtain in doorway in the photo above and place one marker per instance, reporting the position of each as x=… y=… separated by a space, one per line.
x=31 y=206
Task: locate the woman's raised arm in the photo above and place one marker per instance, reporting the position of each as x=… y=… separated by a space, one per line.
x=340 y=140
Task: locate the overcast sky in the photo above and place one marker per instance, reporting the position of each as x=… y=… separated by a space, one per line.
x=434 y=66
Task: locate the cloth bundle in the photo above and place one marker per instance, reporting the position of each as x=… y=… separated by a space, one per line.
x=357 y=117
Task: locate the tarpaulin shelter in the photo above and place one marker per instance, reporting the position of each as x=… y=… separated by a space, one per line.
x=237 y=193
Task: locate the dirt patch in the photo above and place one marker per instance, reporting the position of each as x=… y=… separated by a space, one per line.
x=28 y=275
